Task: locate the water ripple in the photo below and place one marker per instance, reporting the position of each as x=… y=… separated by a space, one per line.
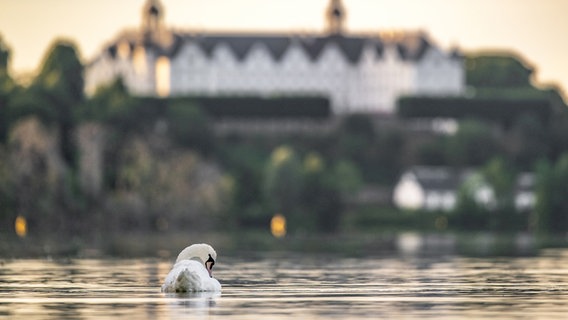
x=293 y=286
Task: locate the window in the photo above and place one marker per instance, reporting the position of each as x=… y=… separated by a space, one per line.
x=124 y=50
x=163 y=76
x=139 y=60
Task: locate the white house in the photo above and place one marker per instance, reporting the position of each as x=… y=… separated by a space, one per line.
x=358 y=73
x=436 y=188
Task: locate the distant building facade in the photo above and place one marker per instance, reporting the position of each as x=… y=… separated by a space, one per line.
x=358 y=73
x=436 y=188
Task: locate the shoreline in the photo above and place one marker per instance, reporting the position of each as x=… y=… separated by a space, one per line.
x=163 y=245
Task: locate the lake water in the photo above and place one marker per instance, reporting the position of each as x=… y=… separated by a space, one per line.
x=290 y=286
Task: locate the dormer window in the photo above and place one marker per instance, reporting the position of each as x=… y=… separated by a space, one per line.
x=124 y=50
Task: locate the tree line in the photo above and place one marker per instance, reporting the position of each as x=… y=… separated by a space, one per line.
x=161 y=166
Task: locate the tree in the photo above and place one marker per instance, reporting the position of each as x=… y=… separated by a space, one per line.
x=529 y=141
x=109 y=103
x=325 y=189
x=7 y=87
x=4 y=56
x=557 y=136
x=316 y=193
x=388 y=157
x=346 y=177
x=283 y=182
x=551 y=193
x=497 y=71
x=245 y=164
x=433 y=153
x=501 y=177
x=359 y=125
x=190 y=127
x=7 y=207
x=471 y=212
x=473 y=144
x=50 y=188
x=55 y=93
x=357 y=135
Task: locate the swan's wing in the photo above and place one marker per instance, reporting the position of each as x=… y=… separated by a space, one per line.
x=212 y=285
x=185 y=276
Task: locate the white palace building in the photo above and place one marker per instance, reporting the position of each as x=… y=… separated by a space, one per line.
x=364 y=73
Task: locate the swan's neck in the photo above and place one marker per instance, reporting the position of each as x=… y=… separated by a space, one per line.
x=197 y=259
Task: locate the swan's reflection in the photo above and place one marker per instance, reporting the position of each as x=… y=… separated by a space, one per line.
x=191 y=303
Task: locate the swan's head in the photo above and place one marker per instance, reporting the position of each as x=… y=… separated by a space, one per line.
x=201 y=252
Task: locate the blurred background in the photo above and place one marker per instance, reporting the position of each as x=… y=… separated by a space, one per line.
x=134 y=128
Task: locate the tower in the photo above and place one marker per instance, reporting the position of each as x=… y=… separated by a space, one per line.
x=152 y=17
x=335 y=16
x=153 y=26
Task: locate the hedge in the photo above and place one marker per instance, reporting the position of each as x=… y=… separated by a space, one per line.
x=504 y=111
x=258 y=107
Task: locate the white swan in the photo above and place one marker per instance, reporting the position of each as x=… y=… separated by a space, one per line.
x=192 y=271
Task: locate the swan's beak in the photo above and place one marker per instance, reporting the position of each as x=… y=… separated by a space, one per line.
x=209 y=266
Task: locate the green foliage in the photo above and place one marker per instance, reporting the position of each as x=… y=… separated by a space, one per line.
x=357 y=134
x=473 y=144
x=343 y=180
x=283 y=182
x=310 y=193
x=62 y=74
x=110 y=103
x=42 y=189
x=557 y=136
x=380 y=219
x=190 y=127
x=58 y=88
x=54 y=94
x=486 y=201
x=494 y=109
x=7 y=195
x=552 y=207
x=346 y=177
x=245 y=164
x=497 y=71
x=529 y=142
x=470 y=213
x=499 y=91
x=324 y=189
x=258 y=107
x=4 y=56
x=306 y=178
x=387 y=158
x=433 y=153
x=513 y=93
x=377 y=153
x=7 y=89
x=28 y=102
x=502 y=178
x=359 y=125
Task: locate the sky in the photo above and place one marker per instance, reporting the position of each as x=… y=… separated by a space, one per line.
x=535 y=30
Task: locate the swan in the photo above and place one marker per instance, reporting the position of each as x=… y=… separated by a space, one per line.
x=192 y=271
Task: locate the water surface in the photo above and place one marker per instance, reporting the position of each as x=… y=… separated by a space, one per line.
x=291 y=286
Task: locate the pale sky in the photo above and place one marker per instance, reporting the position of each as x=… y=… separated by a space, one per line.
x=537 y=30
